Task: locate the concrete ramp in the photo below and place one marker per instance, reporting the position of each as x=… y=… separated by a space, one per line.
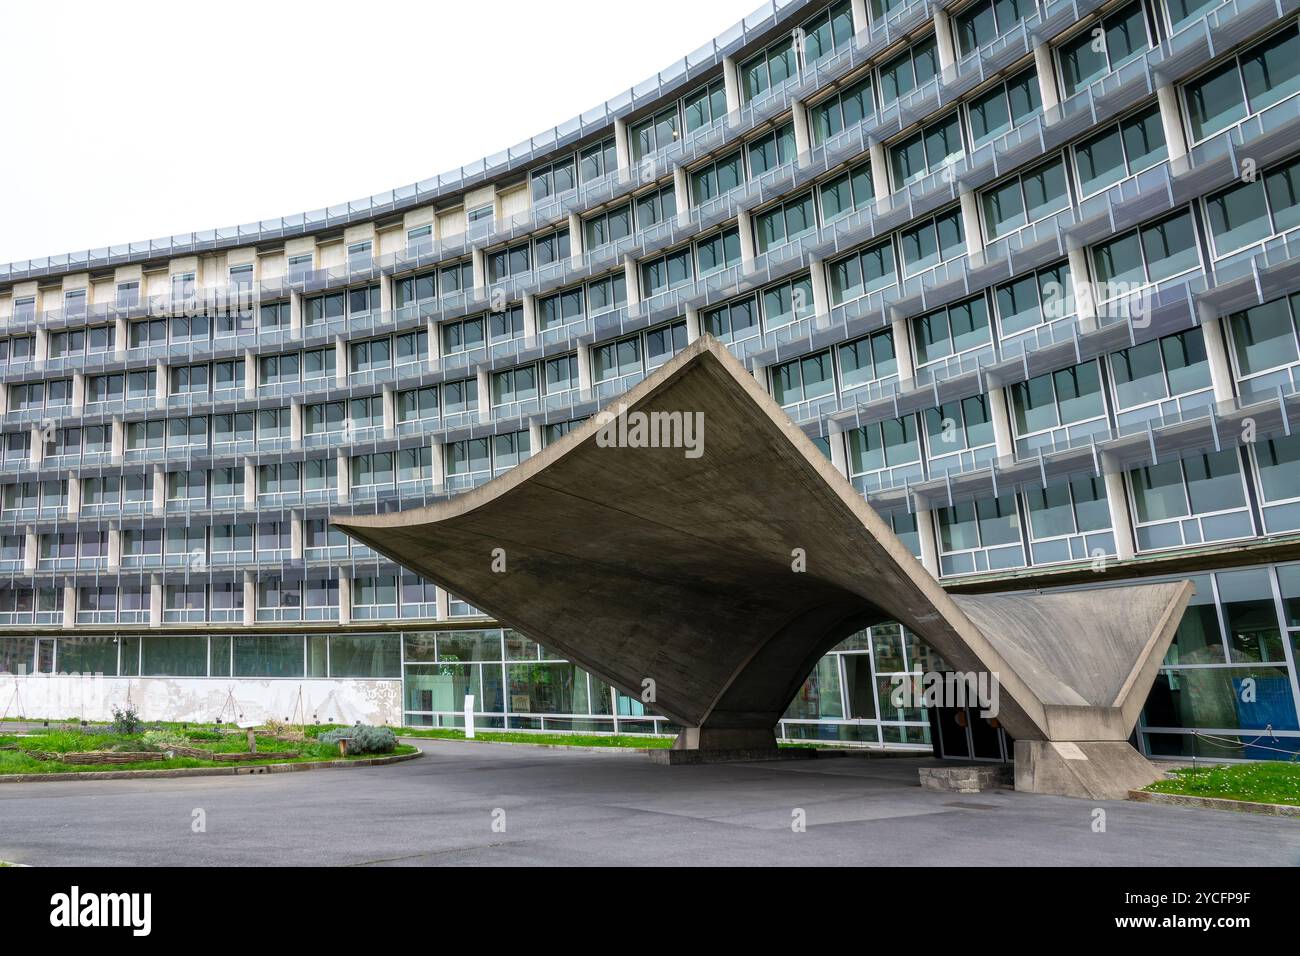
x=692 y=547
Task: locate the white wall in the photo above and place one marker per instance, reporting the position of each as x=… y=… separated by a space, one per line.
x=200 y=700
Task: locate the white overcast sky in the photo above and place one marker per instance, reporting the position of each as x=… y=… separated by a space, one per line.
x=136 y=120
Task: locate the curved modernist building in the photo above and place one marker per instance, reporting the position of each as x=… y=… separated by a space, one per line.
x=1025 y=272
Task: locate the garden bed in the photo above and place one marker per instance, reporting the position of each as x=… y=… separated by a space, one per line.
x=1255 y=786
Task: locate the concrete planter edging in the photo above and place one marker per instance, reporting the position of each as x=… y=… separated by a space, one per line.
x=1214 y=803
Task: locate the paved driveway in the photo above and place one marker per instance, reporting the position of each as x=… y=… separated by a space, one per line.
x=564 y=807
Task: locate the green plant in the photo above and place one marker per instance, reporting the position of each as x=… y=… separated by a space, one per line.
x=363 y=739
x=126 y=720
x=164 y=740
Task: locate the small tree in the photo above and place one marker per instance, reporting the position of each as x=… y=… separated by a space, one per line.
x=126 y=720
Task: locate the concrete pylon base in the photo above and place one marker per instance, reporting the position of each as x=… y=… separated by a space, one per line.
x=726 y=738
x=1091 y=769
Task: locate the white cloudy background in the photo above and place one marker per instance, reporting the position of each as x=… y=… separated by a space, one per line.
x=135 y=120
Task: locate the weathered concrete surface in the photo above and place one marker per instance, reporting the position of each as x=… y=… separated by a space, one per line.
x=966 y=778
x=720 y=579
x=1098 y=769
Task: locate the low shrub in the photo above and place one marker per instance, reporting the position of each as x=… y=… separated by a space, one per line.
x=126 y=721
x=363 y=739
x=164 y=740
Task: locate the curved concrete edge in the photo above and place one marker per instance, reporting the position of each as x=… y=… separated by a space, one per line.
x=245 y=770
x=540 y=746
x=1187 y=801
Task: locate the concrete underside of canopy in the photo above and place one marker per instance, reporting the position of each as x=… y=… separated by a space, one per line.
x=712 y=578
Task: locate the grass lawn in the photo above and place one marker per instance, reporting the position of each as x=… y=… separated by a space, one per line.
x=18 y=761
x=1270 y=781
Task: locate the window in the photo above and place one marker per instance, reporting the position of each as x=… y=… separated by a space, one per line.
x=1120 y=150
x=666 y=272
x=371 y=354
x=319 y=363
x=560 y=309
x=804 y=379
x=607 y=227
x=655 y=207
x=1124 y=35
x=1069 y=520
x=878 y=446
x=915 y=66
x=830 y=31
x=926 y=151
x=599 y=160
x=663 y=343
x=785 y=223
x=1004 y=107
x=411 y=290
x=932 y=241
x=1152 y=253
x=768 y=69
x=979 y=536
x=843 y=110
x=846 y=192
x=608 y=293
x=1251 y=212
x=717 y=178
x=1153 y=371
x=456 y=278
x=718 y=252
x=514 y=385
x=300 y=267
x=561 y=374
x=1051 y=410
x=1265 y=346
x=985 y=20
x=705 y=106
x=506 y=324
x=1182 y=12
x=768 y=152
x=1277 y=460
x=733 y=322
x=553 y=247
x=867 y=359
x=466 y=458
x=616 y=359
x=410 y=347
x=655 y=133
x=511 y=261
x=128 y=295
x=1205 y=489
x=787 y=302
x=415 y=465
x=951 y=330
x=462 y=336
x=459 y=397
x=74 y=303
x=958 y=426
x=864 y=272
x=419 y=241
x=558 y=177
x=1025 y=199
x=1247 y=83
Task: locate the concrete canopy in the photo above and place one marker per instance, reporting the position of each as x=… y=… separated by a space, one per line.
x=657 y=564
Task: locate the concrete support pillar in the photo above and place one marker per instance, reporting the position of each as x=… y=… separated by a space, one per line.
x=69 y=605
x=295 y=315
x=114 y=549
x=444 y=604
x=117 y=439
x=251 y=375
x=802 y=132
x=345 y=597
x=160 y=384
x=576 y=238
x=839 y=452
x=41 y=348
x=530 y=317
x=435 y=342
x=860 y=19
x=748 y=248
x=622 y=147
x=584 y=369
x=478 y=259
x=155 y=600
x=78 y=391
x=31 y=550
x=1120 y=518
x=388 y=398
x=36 y=453
x=296 y=423
x=820 y=290
x=692 y=324
x=1085 y=302
x=438 y=460
x=998 y=410
x=760 y=375
x=296 y=551
x=250 y=599
x=484 y=394
x=343 y=478
x=120 y=338
x=535 y=440
x=340 y=361
x=1046 y=70
x=632 y=279
x=1216 y=351
x=879 y=171
x=682 y=193
x=1171 y=120
x=929 y=541
x=159 y=490
x=386 y=294
x=250 y=484
x=731 y=83
x=74 y=496
x=943 y=41
x=970 y=224
x=902 y=330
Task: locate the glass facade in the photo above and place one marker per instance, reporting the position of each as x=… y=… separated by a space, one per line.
x=1032 y=345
